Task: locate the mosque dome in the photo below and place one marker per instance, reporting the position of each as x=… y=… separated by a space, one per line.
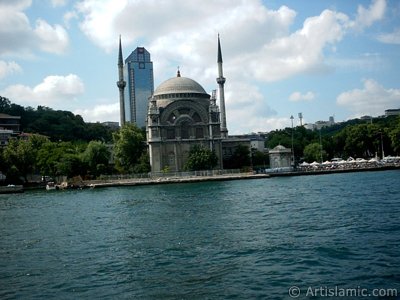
x=180 y=87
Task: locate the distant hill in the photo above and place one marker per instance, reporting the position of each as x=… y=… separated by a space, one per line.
x=58 y=125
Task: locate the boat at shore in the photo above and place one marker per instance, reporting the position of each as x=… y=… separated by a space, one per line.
x=11 y=188
x=50 y=186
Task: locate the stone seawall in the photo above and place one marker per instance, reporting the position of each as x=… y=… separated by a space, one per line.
x=166 y=180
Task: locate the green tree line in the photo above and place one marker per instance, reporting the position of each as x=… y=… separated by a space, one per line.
x=57 y=125
x=37 y=154
x=356 y=138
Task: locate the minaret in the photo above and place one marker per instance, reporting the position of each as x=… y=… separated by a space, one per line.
x=121 y=85
x=221 y=82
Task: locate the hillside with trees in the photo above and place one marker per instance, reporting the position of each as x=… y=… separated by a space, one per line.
x=57 y=125
x=59 y=143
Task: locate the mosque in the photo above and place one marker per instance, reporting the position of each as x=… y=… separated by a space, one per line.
x=182 y=114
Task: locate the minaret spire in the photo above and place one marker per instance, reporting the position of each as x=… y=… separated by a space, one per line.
x=221 y=81
x=121 y=85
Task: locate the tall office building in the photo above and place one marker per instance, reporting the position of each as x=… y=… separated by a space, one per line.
x=138 y=75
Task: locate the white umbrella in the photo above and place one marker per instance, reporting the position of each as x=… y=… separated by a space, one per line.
x=304 y=164
x=326 y=162
x=314 y=163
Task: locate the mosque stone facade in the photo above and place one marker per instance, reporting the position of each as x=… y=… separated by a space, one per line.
x=181 y=114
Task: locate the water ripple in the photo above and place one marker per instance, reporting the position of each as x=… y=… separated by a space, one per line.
x=217 y=240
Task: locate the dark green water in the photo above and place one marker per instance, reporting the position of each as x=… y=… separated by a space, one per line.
x=237 y=239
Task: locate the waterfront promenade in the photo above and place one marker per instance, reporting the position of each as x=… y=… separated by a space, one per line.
x=202 y=176
x=171 y=179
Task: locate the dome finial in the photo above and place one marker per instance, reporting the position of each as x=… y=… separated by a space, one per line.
x=178 y=73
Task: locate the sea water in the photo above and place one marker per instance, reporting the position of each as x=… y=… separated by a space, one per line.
x=306 y=236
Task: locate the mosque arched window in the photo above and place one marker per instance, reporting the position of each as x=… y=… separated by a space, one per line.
x=185 y=130
x=171 y=158
x=199 y=133
x=170 y=133
x=172 y=118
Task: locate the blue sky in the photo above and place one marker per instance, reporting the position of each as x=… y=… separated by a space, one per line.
x=322 y=58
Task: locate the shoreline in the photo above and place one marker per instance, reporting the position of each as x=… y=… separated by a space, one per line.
x=243 y=176
x=193 y=179
x=170 y=180
x=333 y=171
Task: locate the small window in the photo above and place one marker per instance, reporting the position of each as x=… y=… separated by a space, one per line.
x=184 y=130
x=172 y=118
x=171 y=134
x=199 y=133
x=171 y=158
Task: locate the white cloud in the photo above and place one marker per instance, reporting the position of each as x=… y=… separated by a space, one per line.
x=98 y=21
x=15 y=4
x=100 y=113
x=183 y=33
x=373 y=99
x=367 y=16
x=185 y=21
x=363 y=62
x=7 y=68
x=68 y=16
x=52 y=39
x=247 y=110
x=54 y=91
x=256 y=123
x=18 y=37
x=300 y=52
x=58 y=3
x=274 y=55
x=390 y=38
x=297 y=96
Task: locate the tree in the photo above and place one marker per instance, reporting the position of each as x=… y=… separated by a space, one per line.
x=394 y=135
x=201 y=158
x=70 y=165
x=143 y=165
x=96 y=156
x=129 y=144
x=5 y=104
x=62 y=158
x=239 y=159
x=259 y=158
x=98 y=131
x=20 y=156
x=313 y=152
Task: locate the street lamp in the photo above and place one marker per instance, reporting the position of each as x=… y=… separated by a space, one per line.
x=291 y=118
x=320 y=144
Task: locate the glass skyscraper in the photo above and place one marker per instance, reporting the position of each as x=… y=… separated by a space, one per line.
x=139 y=85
